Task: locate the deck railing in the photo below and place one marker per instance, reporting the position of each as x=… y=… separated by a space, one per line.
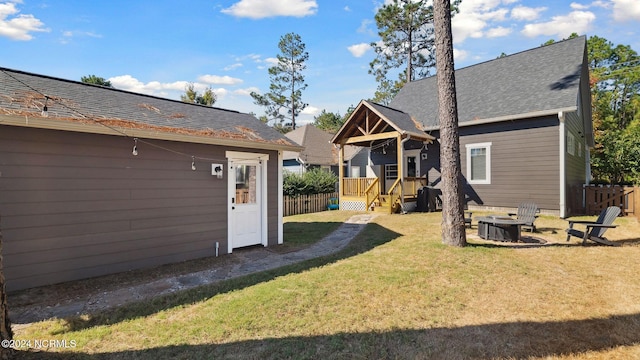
x=395 y=193
x=356 y=186
x=413 y=184
x=372 y=193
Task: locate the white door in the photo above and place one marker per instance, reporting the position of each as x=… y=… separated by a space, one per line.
x=245 y=182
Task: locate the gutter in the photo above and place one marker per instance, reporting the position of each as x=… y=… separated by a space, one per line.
x=563 y=171
x=91 y=128
x=509 y=117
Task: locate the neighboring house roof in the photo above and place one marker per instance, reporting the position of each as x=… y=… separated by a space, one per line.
x=318 y=149
x=76 y=106
x=536 y=82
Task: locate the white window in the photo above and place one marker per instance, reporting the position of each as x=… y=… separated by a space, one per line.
x=479 y=163
x=571 y=144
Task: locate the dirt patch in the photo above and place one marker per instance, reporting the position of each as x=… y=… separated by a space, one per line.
x=57 y=294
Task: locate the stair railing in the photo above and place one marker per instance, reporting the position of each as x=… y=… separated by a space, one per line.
x=372 y=193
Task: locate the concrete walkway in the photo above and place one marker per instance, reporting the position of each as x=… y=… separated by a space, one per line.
x=249 y=261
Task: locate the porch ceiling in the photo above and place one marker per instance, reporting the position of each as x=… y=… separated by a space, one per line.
x=373 y=122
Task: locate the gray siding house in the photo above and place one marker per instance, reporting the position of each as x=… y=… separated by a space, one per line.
x=525 y=129
x=96 y=180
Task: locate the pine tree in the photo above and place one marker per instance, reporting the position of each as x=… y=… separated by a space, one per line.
x=284 y=99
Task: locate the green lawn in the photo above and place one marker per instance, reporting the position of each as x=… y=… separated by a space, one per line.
x=395 y=292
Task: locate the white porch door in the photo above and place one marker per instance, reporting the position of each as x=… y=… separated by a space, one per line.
x=245 y=186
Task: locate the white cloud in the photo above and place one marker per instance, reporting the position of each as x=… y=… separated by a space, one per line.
x=233 y=66
x=459 y=55
x=259 y=9
x=498 y=32
x=81 y=34
x=576 y=6
x=365 y=27
x=171 y=90
x=129 y=83
x=358 y=50
x=216 y=79
x=598 y=3
x=18 y=27
x=526 y=13
x=562 y=26
x=474 y=17
x=271 y=61
x=310 y=110
x=246 y=91
x=625 y=10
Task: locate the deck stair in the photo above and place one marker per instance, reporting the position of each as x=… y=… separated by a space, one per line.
x=383 y=205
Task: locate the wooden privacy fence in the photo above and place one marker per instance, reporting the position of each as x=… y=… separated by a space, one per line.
x=305 y=204
x=600 y=197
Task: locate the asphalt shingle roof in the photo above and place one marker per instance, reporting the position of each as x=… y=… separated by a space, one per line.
x=318 y=149
x=541 y=79
x=25 y=94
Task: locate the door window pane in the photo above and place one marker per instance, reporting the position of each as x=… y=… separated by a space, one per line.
x=246 y=184
x=411 y=166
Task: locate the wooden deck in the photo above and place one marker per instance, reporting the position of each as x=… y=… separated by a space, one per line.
x=368 y=190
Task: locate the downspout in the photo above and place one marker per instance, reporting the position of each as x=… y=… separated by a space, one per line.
x=302 y=165
x=280 y=198
x=563 y=172
x=402 y=175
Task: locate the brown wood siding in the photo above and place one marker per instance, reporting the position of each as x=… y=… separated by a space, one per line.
x=524 y=163
x=80 y=205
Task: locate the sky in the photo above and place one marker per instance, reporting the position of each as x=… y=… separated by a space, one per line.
x=158 y=47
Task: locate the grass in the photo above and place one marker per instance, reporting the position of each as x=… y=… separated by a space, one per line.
x=395 y=292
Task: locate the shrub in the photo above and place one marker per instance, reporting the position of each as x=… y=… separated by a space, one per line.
x=314 y=181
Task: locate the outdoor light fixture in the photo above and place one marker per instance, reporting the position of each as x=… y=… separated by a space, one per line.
x=135 y=147
x=45 y=112
x=193 y=163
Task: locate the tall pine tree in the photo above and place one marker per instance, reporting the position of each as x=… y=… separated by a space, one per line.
x=283 y=102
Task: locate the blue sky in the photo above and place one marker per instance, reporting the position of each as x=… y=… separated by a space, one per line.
x=157 y=47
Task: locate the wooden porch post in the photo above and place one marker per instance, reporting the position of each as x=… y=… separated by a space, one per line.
x=399 y=156
x=340 y=170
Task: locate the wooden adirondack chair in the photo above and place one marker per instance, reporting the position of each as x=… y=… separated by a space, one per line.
x=527 y=212
x=595 y=229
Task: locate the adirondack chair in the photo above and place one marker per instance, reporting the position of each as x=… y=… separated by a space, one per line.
x=527 y=212
x=468 y=215
x=595 y=229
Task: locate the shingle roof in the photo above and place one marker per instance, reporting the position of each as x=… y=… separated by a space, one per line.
x=318 y=149
x=25 y=94
x=399 y=118
x=543 y=79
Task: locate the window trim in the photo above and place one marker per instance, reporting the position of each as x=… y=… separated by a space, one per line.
x=487 y=146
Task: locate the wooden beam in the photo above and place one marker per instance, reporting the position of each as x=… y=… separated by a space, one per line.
x=372 y=137
x=375 y=126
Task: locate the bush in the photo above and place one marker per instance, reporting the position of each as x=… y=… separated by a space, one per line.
x=314 y=181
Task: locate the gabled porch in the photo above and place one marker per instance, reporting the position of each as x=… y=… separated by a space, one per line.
x=395 y=144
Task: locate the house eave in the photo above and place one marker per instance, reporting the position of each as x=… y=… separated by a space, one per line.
x=509 y=117
x=52 y=124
